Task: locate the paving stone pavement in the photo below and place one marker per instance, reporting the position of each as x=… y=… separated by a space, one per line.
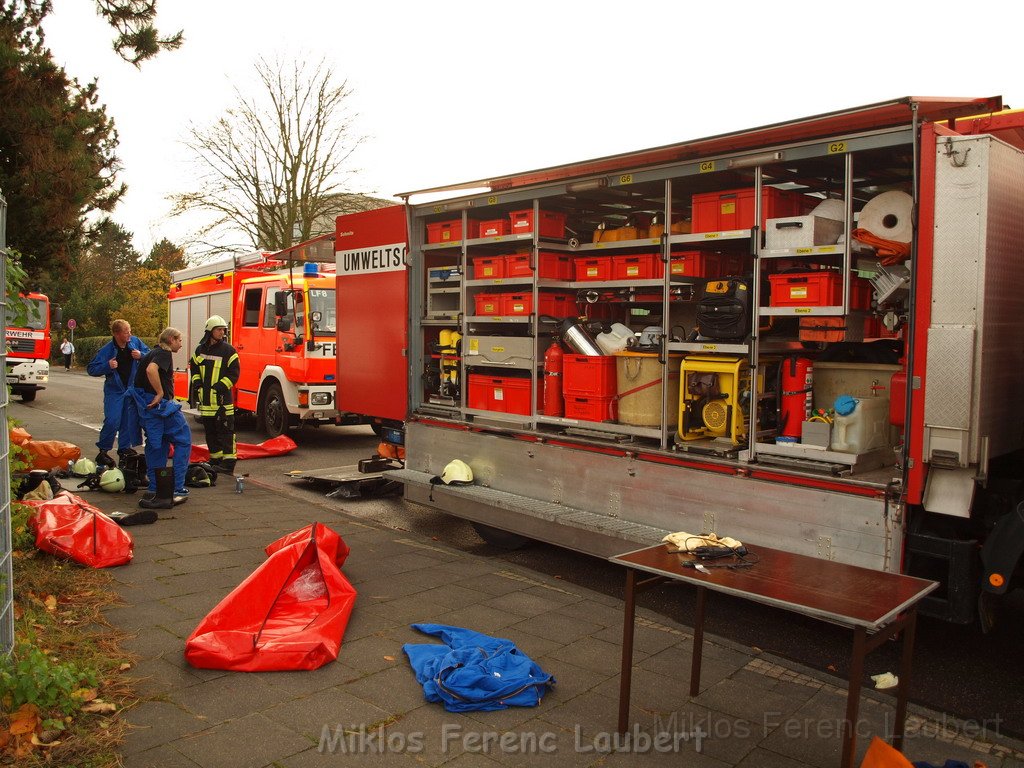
x=754 y=711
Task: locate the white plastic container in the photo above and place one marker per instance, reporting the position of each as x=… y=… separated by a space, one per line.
x=614 y=340
x=866 y=429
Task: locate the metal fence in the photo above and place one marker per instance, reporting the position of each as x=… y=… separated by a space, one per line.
x=6 y=571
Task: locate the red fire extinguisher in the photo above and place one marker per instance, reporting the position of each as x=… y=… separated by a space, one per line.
x=553 y=403
x=797 y=401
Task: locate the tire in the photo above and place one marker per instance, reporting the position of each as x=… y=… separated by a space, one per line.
x=499 y=538
x=28 y=395
x=378 y=429
x=273 y=417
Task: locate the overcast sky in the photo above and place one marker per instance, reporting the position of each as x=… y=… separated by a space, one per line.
x=456 y=91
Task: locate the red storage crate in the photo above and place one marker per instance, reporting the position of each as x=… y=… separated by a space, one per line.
x=488 y=304
x=485 y=267
x=554 y=266
x=734 y=208
x=504 y=394
x=554 y=304
x=450 y=231
x=591 y=408
x=823 y=288
x=695 y=264
x=594 y=268
x=518 y=265
x=494 y=228
x=551 y=224
x=637 y=266
x=589 y=375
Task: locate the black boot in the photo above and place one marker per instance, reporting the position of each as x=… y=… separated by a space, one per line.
x=164 y=498
x=103 y=460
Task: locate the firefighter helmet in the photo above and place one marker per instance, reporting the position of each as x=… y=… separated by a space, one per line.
x=112 y=481
x=215 y=321
x=83 y=467
x=457 y=472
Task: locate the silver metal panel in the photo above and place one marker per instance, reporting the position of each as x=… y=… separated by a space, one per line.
x=950 y=491
x=977 y=278
x=950 y=386
x=506 y=351
x=854 y=529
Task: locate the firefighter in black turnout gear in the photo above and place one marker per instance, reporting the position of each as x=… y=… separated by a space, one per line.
x=213 y=371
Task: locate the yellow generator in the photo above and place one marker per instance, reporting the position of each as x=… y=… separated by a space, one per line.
x=714 y=398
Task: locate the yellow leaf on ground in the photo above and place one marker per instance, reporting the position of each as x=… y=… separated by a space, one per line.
x=85 y=694
x=125 y=667
x=99 y=707
x=389 y=658
x=51 y=603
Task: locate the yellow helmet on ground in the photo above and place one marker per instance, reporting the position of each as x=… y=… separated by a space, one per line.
x=112 y=481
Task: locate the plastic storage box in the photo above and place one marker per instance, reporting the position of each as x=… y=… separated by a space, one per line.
x=504 y=394
x=450 y=231
x=488 y=304
x=485 y=267
x=734 y=208
x=637 y=266
x=586 y=408
x=494 y=228
x=695 y=264
x=552 y=265
x=551 y=224
x=589 y=375
x=554 y=304
x=822 y=288
x=593 y=268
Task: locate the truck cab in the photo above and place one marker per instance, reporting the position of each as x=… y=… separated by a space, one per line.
x=27 y=332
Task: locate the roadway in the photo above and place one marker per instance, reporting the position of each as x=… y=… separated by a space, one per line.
x=958 y=670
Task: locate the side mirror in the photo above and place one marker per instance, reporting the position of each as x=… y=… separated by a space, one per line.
x=281 y=303
x=284 y=324
x=316 y=317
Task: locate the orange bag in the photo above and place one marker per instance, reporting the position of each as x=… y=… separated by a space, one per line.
x=881 y=755
x=20 y=436
x=51 y=454
x=69 y=527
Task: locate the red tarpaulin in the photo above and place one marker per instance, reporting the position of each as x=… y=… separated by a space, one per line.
x=275 y=446
x=289 y=614
x=69 y=527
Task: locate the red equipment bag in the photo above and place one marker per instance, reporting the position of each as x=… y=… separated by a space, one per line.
x=275 y=446
x=67 y=526
x=289 y=614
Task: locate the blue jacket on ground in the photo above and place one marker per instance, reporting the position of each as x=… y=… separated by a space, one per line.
x=472 y=671
x=119 y=414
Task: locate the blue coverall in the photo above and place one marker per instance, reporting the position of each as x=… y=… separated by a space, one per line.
x=120 y=416
x=165 y=426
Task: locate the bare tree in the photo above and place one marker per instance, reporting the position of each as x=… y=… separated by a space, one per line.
x=276 y=162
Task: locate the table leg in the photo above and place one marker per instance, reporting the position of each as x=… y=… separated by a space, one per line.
x=698 y=640
x=906 y=655
x=626 y=673
x=853 y=696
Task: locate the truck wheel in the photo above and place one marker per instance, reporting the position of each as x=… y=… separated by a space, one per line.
x=28 y=396
x=499 y=538
x=273 y=414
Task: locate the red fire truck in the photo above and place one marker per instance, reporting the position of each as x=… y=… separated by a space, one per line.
x=861 y=267
x=28 y=343
x=281 y=314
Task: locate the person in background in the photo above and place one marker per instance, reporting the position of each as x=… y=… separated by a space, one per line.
x=213 y=372
x=118 y=361
x=67 y=349
x=153 y=397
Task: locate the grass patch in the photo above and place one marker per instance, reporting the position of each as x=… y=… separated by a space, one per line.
x=65 y=681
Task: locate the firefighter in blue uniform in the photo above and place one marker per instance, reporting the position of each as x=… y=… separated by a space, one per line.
x=213 y=372
x=118 y=362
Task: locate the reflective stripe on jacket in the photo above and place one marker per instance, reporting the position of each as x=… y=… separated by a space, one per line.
x=208 y=367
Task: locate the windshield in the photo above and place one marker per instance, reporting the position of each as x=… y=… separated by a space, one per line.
x=31 y=314
x=322 y=300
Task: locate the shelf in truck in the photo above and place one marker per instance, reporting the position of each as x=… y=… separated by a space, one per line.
x=695 y=238
x=610 y=245
x=447 y=246
x=499 y=319
x=723 y=347
x=601 y=426
x=585 y=284
x=501 y=281
x=802 y=311
x=814 y=250
x=498 y=239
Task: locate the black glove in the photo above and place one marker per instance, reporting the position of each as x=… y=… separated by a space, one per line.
x=221 y=389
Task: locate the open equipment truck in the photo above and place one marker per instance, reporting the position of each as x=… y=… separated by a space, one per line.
x=823 y=344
